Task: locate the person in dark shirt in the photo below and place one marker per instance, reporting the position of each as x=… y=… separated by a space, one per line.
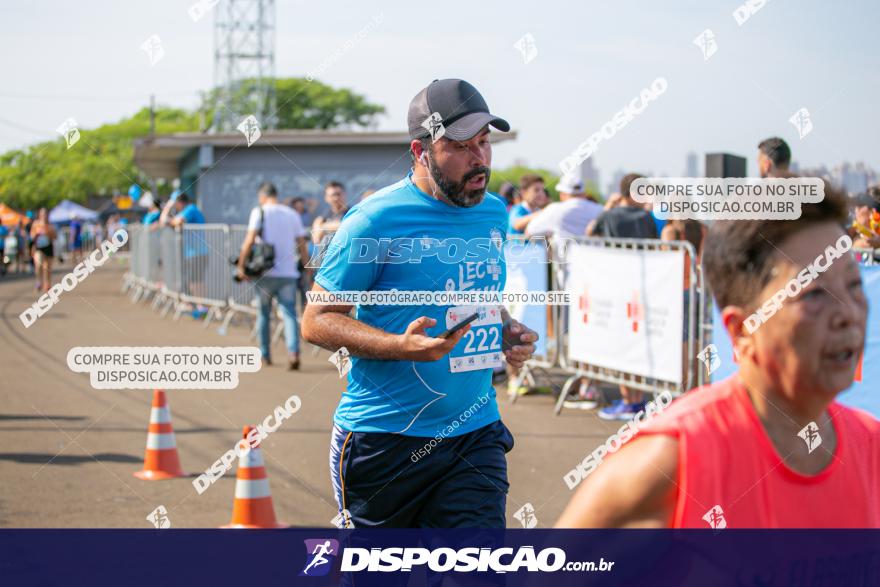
x=626 y=220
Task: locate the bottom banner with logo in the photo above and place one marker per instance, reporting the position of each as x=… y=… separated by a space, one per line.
x=440 y=557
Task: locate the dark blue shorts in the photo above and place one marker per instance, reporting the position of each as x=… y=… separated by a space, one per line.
x=389 y=480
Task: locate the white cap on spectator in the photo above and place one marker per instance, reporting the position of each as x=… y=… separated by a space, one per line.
x=571 y=183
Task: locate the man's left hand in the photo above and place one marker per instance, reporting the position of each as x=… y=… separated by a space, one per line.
x=518 y=342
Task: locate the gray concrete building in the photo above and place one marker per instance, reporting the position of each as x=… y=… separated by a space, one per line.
x=223 y=173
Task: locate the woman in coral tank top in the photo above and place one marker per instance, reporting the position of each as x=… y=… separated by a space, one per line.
x=769 y=447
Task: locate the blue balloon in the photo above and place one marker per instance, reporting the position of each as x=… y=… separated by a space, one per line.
x=135 y=191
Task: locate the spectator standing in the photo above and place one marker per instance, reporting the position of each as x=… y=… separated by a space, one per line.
x=334 y=195
x=76 y=239
x=774 y=157
x=627 y=219
x=534 y=199
x=4 y=234
x=570 y=216
x=509 y=194
x=195 y=249
x=43 y=236
x=281 y=227
x=151 y=218
x=862 y=231
x=305 y=208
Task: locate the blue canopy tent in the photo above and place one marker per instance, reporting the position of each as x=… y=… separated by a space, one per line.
x=66 y=211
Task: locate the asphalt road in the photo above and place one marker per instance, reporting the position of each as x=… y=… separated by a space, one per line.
x=67 y=451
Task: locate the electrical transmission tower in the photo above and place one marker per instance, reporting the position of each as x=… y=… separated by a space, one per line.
x=244 y=63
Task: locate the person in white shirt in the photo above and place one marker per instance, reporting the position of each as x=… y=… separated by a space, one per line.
x=284 y=230
x=569 y=216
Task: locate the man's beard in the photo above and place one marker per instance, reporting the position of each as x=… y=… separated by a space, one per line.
x=455 y=191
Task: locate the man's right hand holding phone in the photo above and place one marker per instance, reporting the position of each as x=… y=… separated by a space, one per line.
x=417 y=345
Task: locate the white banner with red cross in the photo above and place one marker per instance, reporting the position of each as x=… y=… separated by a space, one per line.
x=627 y=309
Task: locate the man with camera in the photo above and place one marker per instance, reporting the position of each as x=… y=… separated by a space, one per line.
x=281 y=235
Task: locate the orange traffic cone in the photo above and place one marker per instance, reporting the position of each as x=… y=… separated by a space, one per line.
x=252 y=507
x=160 y=459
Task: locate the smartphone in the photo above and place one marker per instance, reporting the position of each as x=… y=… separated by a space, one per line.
x=460 y=325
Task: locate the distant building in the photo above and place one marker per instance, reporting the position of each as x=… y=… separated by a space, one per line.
x=691 y=166
x=222 y=173
x=589 y=173
x=852 y=178
x=614 y=185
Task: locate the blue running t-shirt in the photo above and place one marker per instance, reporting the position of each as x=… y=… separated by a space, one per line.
x=409 y=397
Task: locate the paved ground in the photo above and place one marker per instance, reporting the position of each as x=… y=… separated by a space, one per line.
x=67 y=451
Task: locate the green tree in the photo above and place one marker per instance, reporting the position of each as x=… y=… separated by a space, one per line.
x=301 y=104
x=102 y=163
x=551 y=178
x=99 y=163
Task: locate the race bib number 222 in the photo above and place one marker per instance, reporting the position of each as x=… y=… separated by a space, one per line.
x=480 y=348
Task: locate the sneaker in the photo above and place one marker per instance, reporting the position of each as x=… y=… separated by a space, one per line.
x=586 y=400
x=618 y=410
x=581 y=404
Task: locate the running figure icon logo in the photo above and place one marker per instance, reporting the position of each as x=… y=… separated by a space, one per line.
x=710 y=357
x=707 y=44
x=343 y=520
x=801 y=121
x=342 y=360
x=434 y=125
x=159 y=518
x=715 y=518
x=526 y=516
x=153 y=48
x=250 y=128
x=68 y=129
x=527 y=48
x=320 y=554
x=810 y=434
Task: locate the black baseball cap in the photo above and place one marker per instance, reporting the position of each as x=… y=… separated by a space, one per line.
x=461 y=108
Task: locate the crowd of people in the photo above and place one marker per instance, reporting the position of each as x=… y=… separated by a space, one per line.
x=34 y=244
x=289 y=228
x=409 y=378
x=578 y=214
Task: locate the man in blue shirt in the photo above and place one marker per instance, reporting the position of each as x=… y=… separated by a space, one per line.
x=151 y=218
x=195 y=249
x=534 y=198
x=417 y=439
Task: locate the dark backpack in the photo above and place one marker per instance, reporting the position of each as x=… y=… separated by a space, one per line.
x=261 y=257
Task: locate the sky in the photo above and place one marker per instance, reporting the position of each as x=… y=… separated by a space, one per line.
x=83 y=59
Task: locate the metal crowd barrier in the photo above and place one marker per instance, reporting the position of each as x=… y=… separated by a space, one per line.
x=694 y=308
x=188 y=266
x=205 y=268
x=540 y=364
x=241 y=297
x=182 y=268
